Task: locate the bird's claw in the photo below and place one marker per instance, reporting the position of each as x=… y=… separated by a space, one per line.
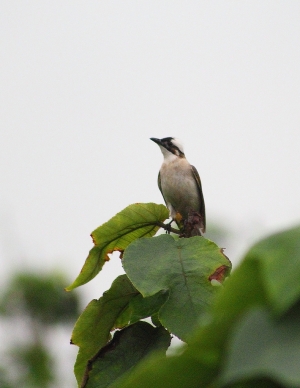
x=168 y=227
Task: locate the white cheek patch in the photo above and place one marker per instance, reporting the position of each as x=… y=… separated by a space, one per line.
x=178 y=143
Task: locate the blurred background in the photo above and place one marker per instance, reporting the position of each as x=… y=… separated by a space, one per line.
x=84 y=85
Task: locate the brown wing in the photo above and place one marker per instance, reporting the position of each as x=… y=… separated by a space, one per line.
x=159 y=186
x=201 y=198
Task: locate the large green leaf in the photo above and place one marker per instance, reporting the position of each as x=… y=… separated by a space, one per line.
x=92 y=330
x=183 y=267
x=127 y=348
x=135 y=221
x=278 y=260
x=263 y=346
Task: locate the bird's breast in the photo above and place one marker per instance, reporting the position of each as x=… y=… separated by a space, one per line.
x=179 y=187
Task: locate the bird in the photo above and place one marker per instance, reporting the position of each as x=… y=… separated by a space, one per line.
x=180 y=185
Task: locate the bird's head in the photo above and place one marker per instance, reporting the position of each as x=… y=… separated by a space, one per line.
x=170 y=146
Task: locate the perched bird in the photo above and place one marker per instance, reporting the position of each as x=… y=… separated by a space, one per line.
x=180 y=184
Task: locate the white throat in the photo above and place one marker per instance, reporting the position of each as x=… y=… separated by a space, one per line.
x=168 y=156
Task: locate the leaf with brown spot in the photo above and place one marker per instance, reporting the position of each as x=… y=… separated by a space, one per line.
x=220 y=274
x=180 y=266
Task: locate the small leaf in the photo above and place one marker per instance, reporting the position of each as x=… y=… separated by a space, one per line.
x=127 y=348
x=140 y=308
x=182 y=267
x=92 y=330
x=135 y=221
x=155 y=320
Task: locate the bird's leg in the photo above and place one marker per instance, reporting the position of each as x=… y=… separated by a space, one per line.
x=168 y=227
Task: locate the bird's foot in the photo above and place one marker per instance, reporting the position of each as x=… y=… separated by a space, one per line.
x=168 y=227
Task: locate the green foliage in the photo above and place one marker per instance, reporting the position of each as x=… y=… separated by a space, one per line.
x=243 y=334
x=120 y=306
x=140 y=307
x=36 y=365
x=278 y=261
x=183 y=268
x=128 y=347
x=262 y=346
x=135 y=221
x=41 y=297
x=249 y=338
x=39 y=302
x=169 y=279
x=4 y=379
x=92 y=330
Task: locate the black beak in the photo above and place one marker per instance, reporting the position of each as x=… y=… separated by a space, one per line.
x=157 y=141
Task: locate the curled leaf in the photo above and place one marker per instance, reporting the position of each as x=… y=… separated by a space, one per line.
x=135 y=221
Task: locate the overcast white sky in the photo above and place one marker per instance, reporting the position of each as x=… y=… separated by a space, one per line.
x=84 y=84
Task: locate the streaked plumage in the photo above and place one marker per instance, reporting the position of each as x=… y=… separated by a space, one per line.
x=179 y=182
